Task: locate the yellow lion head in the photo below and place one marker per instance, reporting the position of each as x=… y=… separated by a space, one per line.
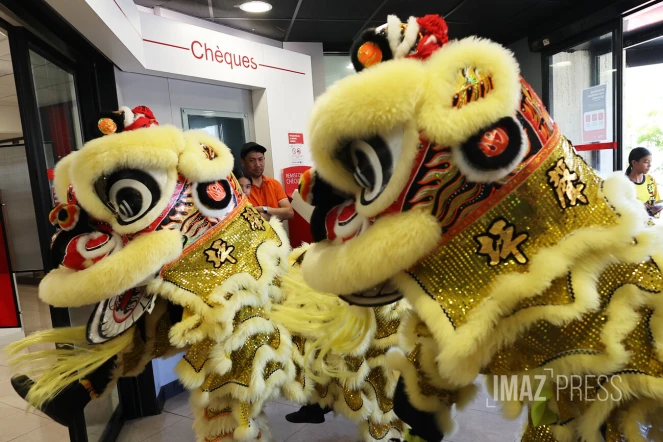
x=415 y=143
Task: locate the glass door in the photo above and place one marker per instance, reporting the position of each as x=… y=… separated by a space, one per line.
x=643 y=113
x=59 y=133
x=583 y=96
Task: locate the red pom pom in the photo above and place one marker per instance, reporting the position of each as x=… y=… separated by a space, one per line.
x=431 y=26
x=434 y=24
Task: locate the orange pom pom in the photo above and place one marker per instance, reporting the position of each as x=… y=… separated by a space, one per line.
x=107 y=126
x=369 y=54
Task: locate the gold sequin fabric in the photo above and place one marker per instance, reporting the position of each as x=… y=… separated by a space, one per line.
x=270 y=368
x=532 y=208
x=161 y=341
x=385 y=327
x=242 y=362
x=379 y=431
x=542 y=433
x=248 y=312
x=471 y=84
x=424 y=386
x=545 y=342
x=132 y=359
x=352 y=397
x=212 y=413
x=322 y=390
x=377 y=380
x=557 y=196
x=203 y=267
x=198 y=354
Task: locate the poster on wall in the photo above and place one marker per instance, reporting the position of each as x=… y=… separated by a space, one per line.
x=594 y=114
x=296 y=143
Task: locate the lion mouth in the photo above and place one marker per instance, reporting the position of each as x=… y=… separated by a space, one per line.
x=382 y=294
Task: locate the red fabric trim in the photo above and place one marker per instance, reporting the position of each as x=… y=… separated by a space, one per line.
x=596 y=146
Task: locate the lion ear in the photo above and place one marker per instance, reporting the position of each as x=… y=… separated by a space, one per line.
x=493 y=152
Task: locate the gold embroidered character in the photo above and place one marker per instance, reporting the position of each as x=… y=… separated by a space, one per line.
x=219 y=253
x=499 y=244
x=566 y=185
x=253 y=217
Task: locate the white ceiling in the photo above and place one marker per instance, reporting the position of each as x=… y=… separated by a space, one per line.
x=10 y=127
x=53 y=85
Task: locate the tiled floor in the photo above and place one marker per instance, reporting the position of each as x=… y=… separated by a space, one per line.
x=479 y=422
x=17 y=424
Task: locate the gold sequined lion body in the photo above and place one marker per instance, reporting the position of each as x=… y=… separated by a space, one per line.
x=520 y=262
x=156 y=232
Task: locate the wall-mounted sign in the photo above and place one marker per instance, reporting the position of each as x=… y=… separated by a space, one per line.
x=594 y=114
x=299 y=228
x=296 y=143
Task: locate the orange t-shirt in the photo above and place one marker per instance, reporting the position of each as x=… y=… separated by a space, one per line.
x=268 y=194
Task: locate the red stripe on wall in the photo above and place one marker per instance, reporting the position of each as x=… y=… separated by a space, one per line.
x=165 y=44
x=281 y=69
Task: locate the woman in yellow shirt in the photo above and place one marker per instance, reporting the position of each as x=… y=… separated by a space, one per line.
x=639 y=161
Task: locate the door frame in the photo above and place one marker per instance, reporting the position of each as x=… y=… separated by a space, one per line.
x=615 y=27
x=41 y=30
x=186 y=112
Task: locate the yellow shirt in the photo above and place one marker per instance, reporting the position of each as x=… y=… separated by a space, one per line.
x=647 y=190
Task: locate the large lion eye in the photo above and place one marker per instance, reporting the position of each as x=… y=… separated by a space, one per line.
x=214 y=199
x=371 y=162
x=130 y=193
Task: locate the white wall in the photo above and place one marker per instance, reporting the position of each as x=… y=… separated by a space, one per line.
x=337 y=67
x=313 y=50
x=172 y=15
x=184 y=49
x=530 y=64
x=20 y=221
x=164 y=371
x=167 y=97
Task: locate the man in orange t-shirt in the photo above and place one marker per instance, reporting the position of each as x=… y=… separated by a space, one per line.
x=267 y=194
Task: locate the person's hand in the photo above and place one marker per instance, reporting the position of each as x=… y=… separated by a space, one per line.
x=267 y=216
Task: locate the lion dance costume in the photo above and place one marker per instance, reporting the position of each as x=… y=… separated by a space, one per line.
x=156 y=232
x=455 y=190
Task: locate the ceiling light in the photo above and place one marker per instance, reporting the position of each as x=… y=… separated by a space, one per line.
x=255 y=7
x=350 y=66
x=561 y=64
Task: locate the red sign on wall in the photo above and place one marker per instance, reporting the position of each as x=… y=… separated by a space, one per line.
x=299 y=229
x=295 y=138
x=291 y=177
